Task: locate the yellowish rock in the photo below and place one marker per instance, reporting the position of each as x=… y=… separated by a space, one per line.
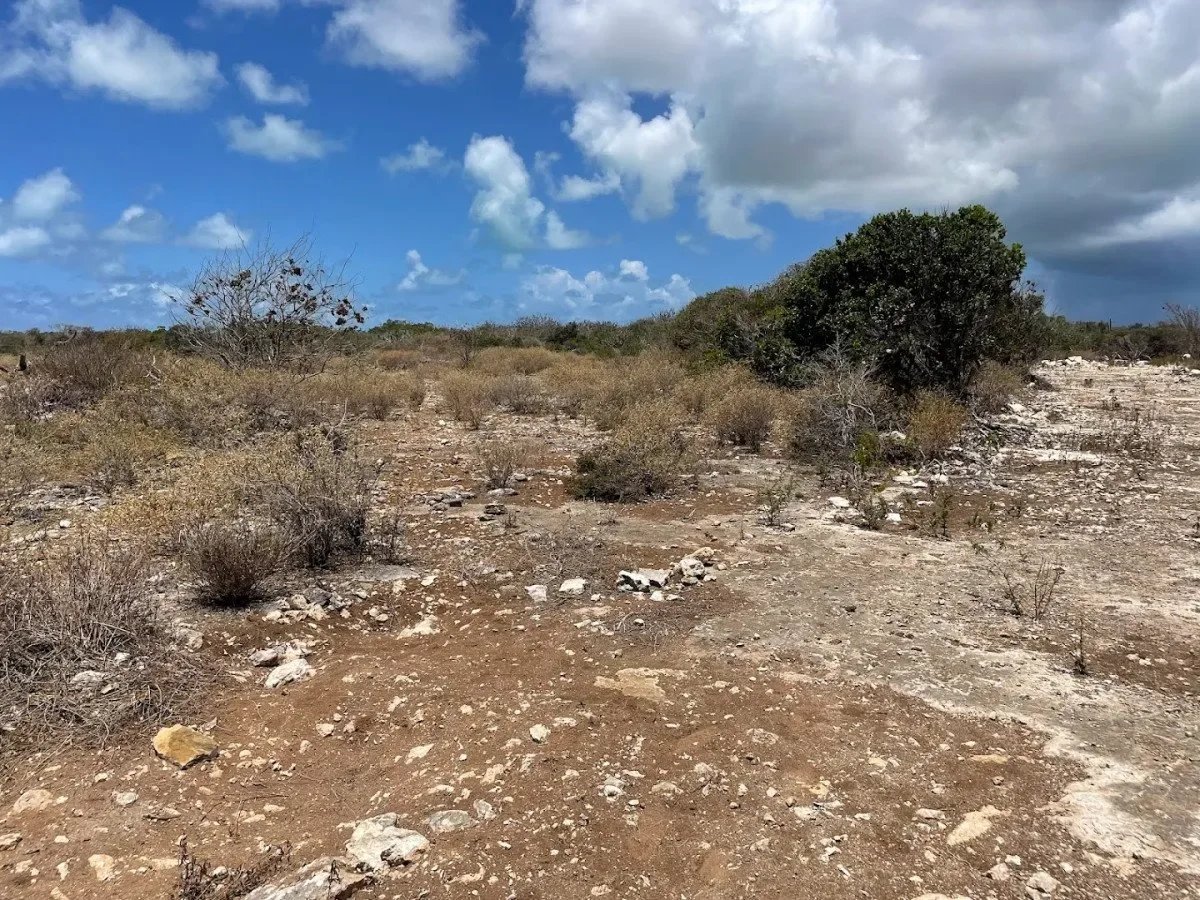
x=184 y=745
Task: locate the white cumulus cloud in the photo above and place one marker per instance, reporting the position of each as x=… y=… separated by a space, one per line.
x=42 y=198
x=1074 y=118
x=122 y=57
x=560 y=237
x=278 y=139
x=598 y=295
x=421 y=277
x=265 y=89
x=424 y=38
x=137 y=225
x=217 y=232
x=23 y=241
x=418 y=156
x=505 y=202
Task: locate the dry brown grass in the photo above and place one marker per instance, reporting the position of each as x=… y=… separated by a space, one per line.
x=467 y=397
x=647 y=456
x=399 y=360
x=233 y=561
x=575 y=383
x=745 y=416
x=520 y=394
x=994 y=387
x=936 y=424
x=82 y=651
x=514 y=360
x=698 y=392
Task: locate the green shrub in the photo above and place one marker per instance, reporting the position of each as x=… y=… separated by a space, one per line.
x=646 y=457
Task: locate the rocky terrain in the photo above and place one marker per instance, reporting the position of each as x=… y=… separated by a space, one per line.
x=558 y=699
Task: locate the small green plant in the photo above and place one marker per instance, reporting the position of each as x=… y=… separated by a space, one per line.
x=1081 y=664
x=942 y=498
x=774 y=497
x=1030 y=591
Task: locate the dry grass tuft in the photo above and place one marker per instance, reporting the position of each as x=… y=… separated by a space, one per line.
x=317 y=492
x=745 y=416
x=520 y=394
x=501 y=460
x=646 y=457
x=935 y=424
x=233 y=561
x=467 y=397
x=994 y=387
x=81 y=649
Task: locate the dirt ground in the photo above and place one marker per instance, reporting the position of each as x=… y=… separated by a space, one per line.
x=836 y=712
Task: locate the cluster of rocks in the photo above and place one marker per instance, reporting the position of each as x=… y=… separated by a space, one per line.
x=315 y=604
x=693 y=569
x=442 y=499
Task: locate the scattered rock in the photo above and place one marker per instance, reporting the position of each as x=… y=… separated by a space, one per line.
x=88 y=680
x=973 y=825
x=999 y=872
x=125 y=798
x=536 y=592
x=33 y=801
x=288 y=673
x=184 y=745
x=427 y=627
x=643 y=580
x=1040 y=885
x=573 y=587
x=448 y=820
x=10 y=840
x=539 y=734
x=377 y=843
x=484 y=810
x=323 y=879
x=102 y=866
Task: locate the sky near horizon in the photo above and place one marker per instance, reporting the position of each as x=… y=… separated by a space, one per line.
x=590 y=159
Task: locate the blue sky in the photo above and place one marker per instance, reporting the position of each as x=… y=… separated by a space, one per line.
x=584 y=158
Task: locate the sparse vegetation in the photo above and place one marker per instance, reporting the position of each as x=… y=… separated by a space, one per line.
x=645 y=457
x=744 y=417
x=935 y=424
x=82 y=650
x=1030 y=589
x=232 y=560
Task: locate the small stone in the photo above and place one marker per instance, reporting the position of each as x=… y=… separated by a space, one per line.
x=125 y=798
x=539 y=733
x=184 y=745
x=484 y=810
x=102 y=865
x=573 y=587
x=32 y=801
x=324 y=879
x=536 y=592
x=839 y=503
x=999 y=872
x=932 y=815
x=1040 y=885
x=10 y=840
x=448 y=820
x=289 y=673
x=377 y=843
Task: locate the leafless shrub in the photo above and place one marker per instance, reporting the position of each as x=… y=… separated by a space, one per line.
x=1186 y=320
x=1030 y=590
x=81 y=650
x=501 y=459
x=774 y=498
x=520 y=394
x=1079 y=656
x=697 y=393
x=269 y=308
x=318 y=491
x=233 y=560
x=841 y=403
x=84 y=366
x=201 y=880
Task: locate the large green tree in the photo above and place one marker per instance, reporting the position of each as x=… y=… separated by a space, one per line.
x=924 y=297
